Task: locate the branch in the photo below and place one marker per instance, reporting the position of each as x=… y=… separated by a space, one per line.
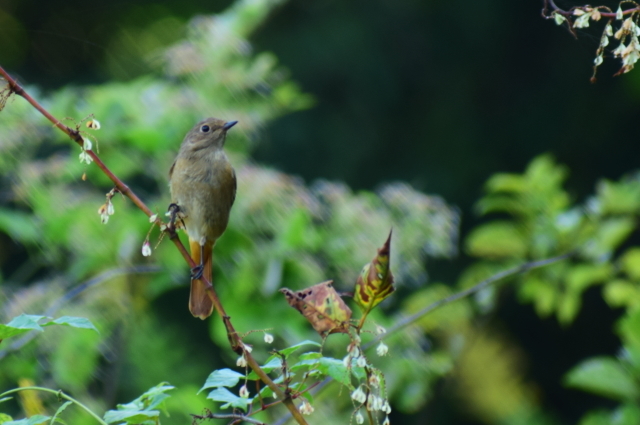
x=74 y=292
x=234 y=339
x=235 y=418
x=550 y=4
x=462 y=294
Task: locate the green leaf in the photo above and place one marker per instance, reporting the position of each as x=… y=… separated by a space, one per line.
x=582 y=276
x=497 y=239
x=4 y=418
x=631 y=263
x=621 y=293
x=287 y=351
x=604 y=376
x=74 y=322
x=55 y=419
x=20 y=325
x=273 y=362
x=19 y=225
x=222 y=378
x=131 y=416
x=223 y=395
x=34 y=420
x=140 y=409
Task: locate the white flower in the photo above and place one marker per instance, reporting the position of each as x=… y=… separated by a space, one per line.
x=380 y=330
x=104 y=217
x=347 y=360
x=268 y=338
x=93 y=124
x=241 y=362
x=86 y=145
x=608 y=30
x=153 y=218
x=619 y=13
x=386 y=421
x=359 y=418
x=374 y=381
x=146 y=249
x=244 y=392
x=382 y=349
x=110 y=209
x=385 y=407
x=598 y=60
x=306 y=408
x=247 y=348
x=582 y=21
x=85 y=157
x=359 y=395
x=361 y=362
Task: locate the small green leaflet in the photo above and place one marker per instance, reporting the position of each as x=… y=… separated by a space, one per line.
x=222 y=378
x=30 y=322
x=34 y=420
x=140 y=409
x=229 y=399
x=60 y=410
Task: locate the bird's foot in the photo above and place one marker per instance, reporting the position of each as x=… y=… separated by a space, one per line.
x=175 y=215
x=196 y=272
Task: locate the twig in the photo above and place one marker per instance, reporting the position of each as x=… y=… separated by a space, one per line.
x=74 y=292
x=550 y=4
x=462 y=294
x=236 y=417
x=234 y=339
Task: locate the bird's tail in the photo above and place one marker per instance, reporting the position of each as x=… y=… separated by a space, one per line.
x=200 y=304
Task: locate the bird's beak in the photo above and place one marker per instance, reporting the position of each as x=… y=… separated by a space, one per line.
x=228 y=125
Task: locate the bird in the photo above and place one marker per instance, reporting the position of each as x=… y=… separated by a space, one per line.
x=203 y=187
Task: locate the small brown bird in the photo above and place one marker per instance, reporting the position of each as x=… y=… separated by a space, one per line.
x=203 y=186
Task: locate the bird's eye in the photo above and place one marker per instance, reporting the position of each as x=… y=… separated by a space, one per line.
x=205 y=128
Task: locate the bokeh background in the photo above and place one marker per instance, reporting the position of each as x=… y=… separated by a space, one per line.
x=410 y=97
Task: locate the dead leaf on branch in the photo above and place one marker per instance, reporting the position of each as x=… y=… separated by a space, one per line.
x=322 y=306
x=375 y=282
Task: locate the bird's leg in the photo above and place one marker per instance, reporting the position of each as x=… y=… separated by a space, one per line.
x=175 y=214
x=196 y=272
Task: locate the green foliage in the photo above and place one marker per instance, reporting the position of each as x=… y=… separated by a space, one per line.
x=142 y=410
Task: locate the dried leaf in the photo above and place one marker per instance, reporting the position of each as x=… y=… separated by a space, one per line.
x=322 y=306
x=375 y=282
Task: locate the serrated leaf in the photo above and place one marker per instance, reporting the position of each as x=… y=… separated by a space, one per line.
x=497 y=239
x=222 y=378
x=375 y=282
x=604 y=376
x=140 y=409
x=74 y=322
x=286 y=352
x=631 y=263
x=55 y=419
x=131 y=416
x=229 y=399
x=322 y=306
x=20 y=325
x=33 y=420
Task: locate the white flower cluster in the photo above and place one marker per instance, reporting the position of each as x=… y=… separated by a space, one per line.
x=629 y=53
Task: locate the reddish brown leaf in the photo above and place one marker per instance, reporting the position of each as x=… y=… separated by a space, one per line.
x=322 y=306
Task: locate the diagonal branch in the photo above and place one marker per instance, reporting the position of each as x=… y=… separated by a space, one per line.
x=234 y=339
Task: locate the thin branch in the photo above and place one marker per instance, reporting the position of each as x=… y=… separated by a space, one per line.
x=236 y=417
x=232 y=335
x=462 y=294
x=550 y=4
x=74 y=292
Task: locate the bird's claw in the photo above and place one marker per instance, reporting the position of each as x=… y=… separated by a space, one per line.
x=196 y=272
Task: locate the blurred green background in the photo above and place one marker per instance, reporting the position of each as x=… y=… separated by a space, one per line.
x=361 y=107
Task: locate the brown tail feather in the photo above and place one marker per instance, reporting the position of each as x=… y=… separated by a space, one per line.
x=200 y=304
